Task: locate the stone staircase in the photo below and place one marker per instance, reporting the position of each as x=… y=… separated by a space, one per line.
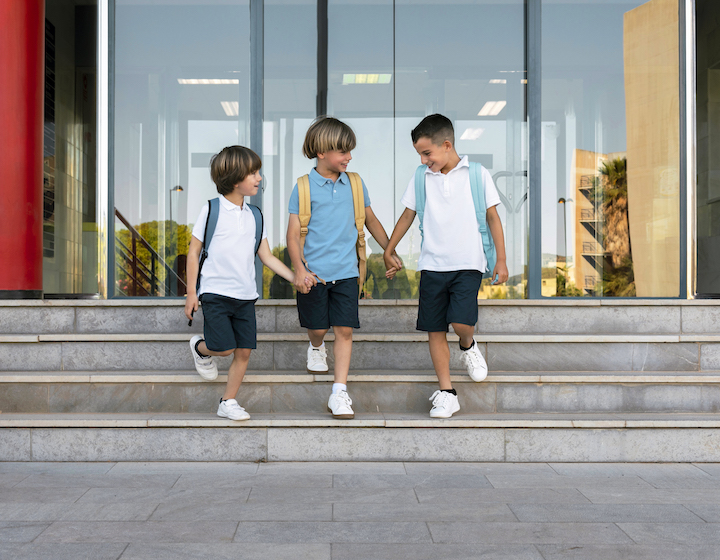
x=581 y=380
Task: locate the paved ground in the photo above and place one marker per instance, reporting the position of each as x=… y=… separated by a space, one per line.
x=352 y=511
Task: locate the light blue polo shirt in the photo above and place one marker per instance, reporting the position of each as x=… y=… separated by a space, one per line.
x=330 y=242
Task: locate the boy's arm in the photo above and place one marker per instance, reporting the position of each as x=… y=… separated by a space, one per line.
x=273 y=263
x=378 y=232
x=192 y=269
x=302 y=277
x=496 y=230
x=403 y=224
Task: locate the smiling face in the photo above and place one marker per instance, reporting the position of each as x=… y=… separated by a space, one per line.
x=250 y=184
x=333 y=162
x=436 y=157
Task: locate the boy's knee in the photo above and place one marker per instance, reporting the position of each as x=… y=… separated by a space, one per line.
x=343 y=332
x=242 y=353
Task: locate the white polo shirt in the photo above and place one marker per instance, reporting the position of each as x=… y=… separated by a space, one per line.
x=229 y=269
x=451 y=240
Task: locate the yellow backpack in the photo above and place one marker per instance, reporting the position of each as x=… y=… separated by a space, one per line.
x=303 y=184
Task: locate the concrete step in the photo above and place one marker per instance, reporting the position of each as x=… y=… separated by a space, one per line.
x=658 y=437
x=387 y=391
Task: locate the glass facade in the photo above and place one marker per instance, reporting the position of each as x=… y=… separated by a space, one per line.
x=609 y=146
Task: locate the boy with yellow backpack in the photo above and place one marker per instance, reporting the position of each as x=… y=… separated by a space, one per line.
x=326 y=242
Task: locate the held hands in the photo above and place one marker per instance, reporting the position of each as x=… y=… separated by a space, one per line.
x=191 y=305
x=304 y=281
x=501 y=272
x=393 y=263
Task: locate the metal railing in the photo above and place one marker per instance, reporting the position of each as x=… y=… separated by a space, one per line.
x=143 y=276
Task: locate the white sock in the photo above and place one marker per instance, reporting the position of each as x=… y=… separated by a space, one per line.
x=316 y=347
x=337 y=387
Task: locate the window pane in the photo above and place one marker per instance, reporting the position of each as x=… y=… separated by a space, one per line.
x=181 y=95
x=610 y=152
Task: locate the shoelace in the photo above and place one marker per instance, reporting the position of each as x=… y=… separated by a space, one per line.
x=317 y=355
x=345 y=397
x=473 y=360
x=439 y=399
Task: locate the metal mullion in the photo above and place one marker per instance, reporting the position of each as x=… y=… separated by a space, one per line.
x=533 y=62
x=257 y=106
x=322 y=57
x=688 y=144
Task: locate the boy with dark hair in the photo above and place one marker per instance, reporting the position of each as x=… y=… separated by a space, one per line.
x=328 y=260
x=452 y=258
x=227 y=281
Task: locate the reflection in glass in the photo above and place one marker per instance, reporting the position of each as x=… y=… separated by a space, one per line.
x=610 y=152
x=181 y=95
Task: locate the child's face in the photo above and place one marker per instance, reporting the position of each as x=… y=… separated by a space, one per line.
x=435 y=157
x=335 y=160
x=250 y=184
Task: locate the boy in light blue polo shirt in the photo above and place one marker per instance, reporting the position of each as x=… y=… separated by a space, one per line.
x=330 y=254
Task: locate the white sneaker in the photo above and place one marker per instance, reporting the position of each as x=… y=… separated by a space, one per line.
x=444 y=404
x=475 y=363
x=317 y=359
x=231 y=409
x=339 y=405
x=204 y=365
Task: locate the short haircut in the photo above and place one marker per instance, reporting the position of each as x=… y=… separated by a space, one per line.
x=326 y=134
x=231 y=166
x=436 y=127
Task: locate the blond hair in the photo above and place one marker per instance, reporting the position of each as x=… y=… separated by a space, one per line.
x=231 y=166
x=326 y=134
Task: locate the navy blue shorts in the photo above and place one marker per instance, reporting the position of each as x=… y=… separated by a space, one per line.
x=334 y=304
x=448 y=297
x=229 y=322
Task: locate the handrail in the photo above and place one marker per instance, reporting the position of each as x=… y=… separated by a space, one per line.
x=136 y=266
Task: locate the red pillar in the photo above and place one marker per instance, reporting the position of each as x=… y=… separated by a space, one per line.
x=22 y=60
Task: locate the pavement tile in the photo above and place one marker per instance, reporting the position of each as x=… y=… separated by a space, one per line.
x=55 y=551
x=117 y=511
x=528 y=533
x=55 y=468
x=696 y=534
x=204 y=468
x=409 y=481
x=134 y=531
x=651 y=495
x=230 y=551
x=708 y=512
x=268 y=511
x=206 y=494
x=295 y=480
x=634 y=552
x=98 y=481
x=11 y=479
x=331 y=468
x=332 y=532
x=527 y=469
x=606 y=470
x=325 y=495
x=18 y=531
x=423 y=512
x=713 y=469
x=433 y=552
x=603 y=513
x=41 y=495
x=500 y=495
x=555 y=481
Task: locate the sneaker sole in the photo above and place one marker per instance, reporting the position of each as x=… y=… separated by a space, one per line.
x=233 y=419
x=342 y=416
x=316 y=370
x=476 y=380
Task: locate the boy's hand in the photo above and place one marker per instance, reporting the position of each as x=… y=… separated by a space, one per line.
x=501 y=272
x=304 y=281
x=191 y=305
x=392 y=264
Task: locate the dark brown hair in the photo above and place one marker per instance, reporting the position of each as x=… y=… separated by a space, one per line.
x=436 y=127
x=231 y=166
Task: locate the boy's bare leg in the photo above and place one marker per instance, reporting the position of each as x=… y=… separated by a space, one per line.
x=343 y=352
x=465 y=332
x=440 y=354
x=316 y=336
x=205 y=352
x=237 y=370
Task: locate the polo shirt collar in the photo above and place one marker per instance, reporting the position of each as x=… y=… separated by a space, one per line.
x=464 y=162
x=231 y=206
x=320 y=180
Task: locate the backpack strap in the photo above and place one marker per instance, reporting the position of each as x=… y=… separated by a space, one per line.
x=210 y=224
x=477 y=187
x=304 y=212
x=259 y=223
x=359 y=205
x=420 y=196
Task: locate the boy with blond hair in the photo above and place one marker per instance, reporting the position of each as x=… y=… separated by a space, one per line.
x=452 y=258
x=227 y=288
x=328 y=262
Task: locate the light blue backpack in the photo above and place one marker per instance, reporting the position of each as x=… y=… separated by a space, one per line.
x=477 y=186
